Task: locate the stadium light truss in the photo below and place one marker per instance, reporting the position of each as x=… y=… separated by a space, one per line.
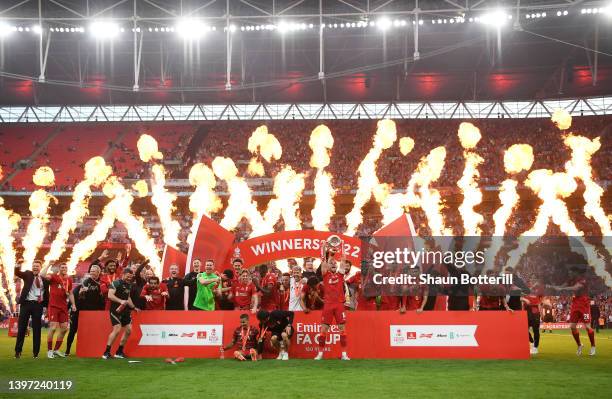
x=310 y=111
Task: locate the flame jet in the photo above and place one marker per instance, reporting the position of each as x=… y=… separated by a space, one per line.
x=321 y=142
x=517 y=158
x=265 y=144
x=368 y=183
x=551 y=188
x=96 y=172
x=203 y=200
x=420 y=194
x=39 y=200
x=161 y=197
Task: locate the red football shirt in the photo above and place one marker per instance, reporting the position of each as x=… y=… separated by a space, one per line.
x=272 y=300
x=242 y=294
x=389 y=302
x=159 y=301
x=363 y=302
x=581 y=301
x=106 y=280
x=284 y=298
x=59 y=290
x=533 y=303
x=415 y=300
x=310 y=296
x=333 y=287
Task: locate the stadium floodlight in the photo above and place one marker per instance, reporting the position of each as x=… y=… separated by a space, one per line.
x=104 y=29
x=497 y=18
x=384 y=23
x=190 y=29
x=283 y=27
x=6 y=29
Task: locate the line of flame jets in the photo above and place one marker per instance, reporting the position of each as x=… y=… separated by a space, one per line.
x=550 y=187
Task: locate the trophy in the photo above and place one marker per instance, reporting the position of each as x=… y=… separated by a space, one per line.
x=332 y=245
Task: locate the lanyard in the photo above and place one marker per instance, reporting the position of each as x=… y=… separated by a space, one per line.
x=262 y=334
x=63 y=284
x=245 y=337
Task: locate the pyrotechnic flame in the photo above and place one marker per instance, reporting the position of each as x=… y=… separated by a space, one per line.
x=255 y=168
x=517 y=158
x=420 y=194
x=96 y=171
x=203 y=200
x=367 y=182
x=39 y=207
x=321 y=142
x=406 y=144
x=119 y=208
x=164 y=202
x=141 y=188
x=147 y=148
x=288 y=189
x=86 y=246
x=240 y=203
x=469 y=135
x=551 y=188
x=9 y=222
x=134 y=224
x=4 y=300
x=264 y=143
x=44 y=177
x=160 y=196
x=562 y=119
x=580 y=167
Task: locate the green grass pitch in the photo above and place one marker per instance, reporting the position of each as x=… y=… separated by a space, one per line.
x=555 y=373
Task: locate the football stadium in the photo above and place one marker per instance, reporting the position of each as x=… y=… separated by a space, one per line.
x=305 y=198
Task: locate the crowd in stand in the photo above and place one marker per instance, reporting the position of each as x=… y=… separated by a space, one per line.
x=352 y=141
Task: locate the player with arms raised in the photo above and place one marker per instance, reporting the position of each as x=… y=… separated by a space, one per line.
x=580 y=311
x=60 y=291
x=334 y=295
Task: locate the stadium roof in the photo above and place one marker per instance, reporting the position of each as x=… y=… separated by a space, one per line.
x=60 y=52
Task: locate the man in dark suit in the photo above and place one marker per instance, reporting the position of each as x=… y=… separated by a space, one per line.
x=34 y=297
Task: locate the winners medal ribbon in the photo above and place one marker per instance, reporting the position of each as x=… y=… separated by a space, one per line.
x=245 y=337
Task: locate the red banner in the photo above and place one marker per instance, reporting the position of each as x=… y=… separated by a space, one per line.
x=211 y=242
x=371 y=335
x=173 y=256
x=292 y=244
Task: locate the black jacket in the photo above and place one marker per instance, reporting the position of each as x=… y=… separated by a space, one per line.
x=28 y=278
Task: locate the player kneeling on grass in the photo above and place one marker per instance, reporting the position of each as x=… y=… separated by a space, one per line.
x=120 y=312
x=60 y=291
x=245 y=336
x=279 y=323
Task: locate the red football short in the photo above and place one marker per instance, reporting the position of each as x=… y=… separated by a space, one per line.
x=57 y=315
x=333 y=311
x=578 y=316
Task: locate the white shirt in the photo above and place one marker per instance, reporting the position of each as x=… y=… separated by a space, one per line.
x=295 y=294
x=35 y=292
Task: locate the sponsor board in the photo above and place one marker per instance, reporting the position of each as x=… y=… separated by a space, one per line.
x=432 y=335
x=181 y=334
x=307 y=337
x=371 y=334
x=558 y=326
